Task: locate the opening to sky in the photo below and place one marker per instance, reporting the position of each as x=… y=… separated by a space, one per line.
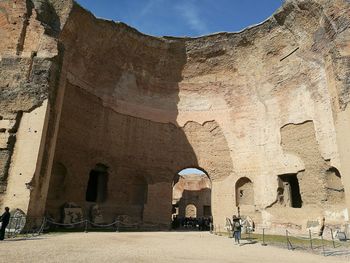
x=191 y=171
x=184 y=17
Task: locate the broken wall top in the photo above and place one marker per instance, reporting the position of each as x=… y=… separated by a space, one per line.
x=125 y=67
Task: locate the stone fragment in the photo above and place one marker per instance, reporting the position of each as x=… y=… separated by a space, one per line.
x=72 y=213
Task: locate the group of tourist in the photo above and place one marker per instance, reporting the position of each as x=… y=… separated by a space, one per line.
x=189 y=223
x=204 y=224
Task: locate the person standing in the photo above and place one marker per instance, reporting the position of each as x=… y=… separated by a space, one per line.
x=237 y=228
x=5 y=219
x=320 y=233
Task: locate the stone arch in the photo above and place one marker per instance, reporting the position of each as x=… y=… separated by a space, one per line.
x=177 y=175
x=244 y=191
x=192 y=187
x=191 y=211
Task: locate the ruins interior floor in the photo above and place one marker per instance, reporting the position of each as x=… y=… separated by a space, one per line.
x=148 y=247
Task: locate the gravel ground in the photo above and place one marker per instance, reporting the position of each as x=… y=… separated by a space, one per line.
x=147 y=247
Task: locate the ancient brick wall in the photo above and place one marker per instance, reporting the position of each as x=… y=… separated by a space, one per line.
x=228 y=97
x=261 y=104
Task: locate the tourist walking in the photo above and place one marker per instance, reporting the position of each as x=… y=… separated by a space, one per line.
x=237 y=228
x=320 y=233
x=4 y=219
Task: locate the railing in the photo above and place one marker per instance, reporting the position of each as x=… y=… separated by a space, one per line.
x=315 y=242
x=28 y=227
x=25 y=226
x=33 y=226
x=310 y=241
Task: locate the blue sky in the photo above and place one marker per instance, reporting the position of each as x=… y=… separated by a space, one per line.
x=184 y=17
x=190 y=171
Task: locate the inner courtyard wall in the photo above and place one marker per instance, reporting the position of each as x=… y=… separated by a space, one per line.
x=255 y=104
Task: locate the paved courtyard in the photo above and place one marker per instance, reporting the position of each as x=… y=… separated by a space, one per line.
x=147 y=247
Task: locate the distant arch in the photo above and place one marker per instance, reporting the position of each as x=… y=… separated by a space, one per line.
x=191 y=169
x=191 y=194
x=244 y=191
x=191 y=211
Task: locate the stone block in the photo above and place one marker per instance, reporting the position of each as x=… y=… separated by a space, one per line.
x=96 y=215
x=7 y=124
x=72 y=213
x=4 y=138
x=4 y=159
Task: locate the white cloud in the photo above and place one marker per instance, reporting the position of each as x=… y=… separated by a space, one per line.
x=189 y=12
x=148 y=7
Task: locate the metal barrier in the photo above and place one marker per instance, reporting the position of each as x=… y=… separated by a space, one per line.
x=24 y=226
x=311 y=242
x=87 y=225
x=27 y=227
x=316 y=243
x=33 y=226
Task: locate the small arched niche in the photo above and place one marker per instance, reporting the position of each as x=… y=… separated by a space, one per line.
x=244 y=192
x=96 y=190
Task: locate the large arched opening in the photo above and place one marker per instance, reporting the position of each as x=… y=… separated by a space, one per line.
x=191 y=200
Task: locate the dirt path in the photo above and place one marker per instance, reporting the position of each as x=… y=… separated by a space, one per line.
x=147 y=247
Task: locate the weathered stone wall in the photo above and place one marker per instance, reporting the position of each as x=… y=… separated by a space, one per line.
x=29 y=72
x=258 y=104
x=257 y=81
x=91 y=133
x=300 y=140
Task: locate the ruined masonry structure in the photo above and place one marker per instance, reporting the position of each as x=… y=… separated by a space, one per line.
x=93 y=112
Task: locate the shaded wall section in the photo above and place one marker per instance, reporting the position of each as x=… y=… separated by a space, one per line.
x=130 y=147
x=120 y=68
x=120 y=109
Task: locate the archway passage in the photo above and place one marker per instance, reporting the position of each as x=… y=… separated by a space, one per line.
x=191 y=204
